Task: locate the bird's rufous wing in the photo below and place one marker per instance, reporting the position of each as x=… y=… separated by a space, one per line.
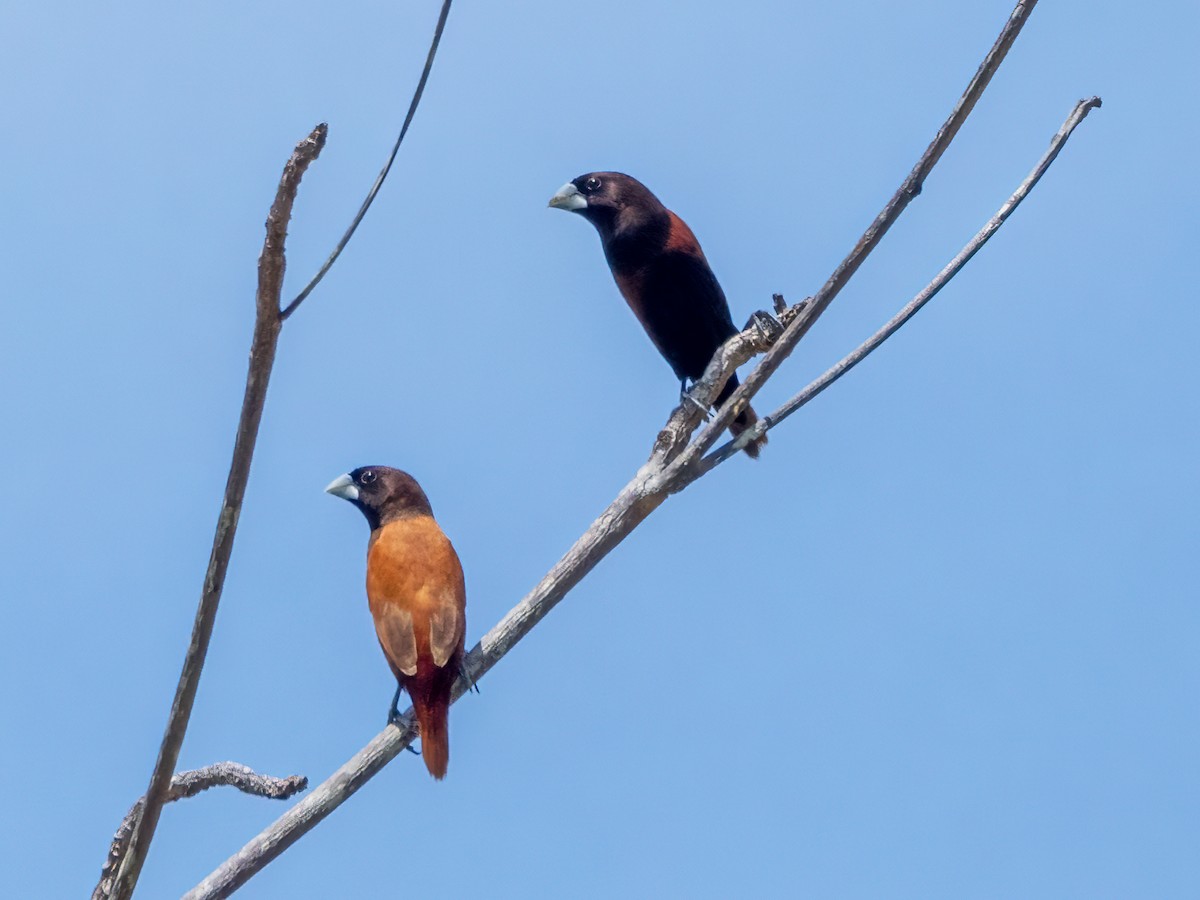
x=445 y=631
x=415 y=587
x=394 y=626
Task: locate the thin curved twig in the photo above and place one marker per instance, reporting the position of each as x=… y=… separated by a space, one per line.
x=387 y=167
x=910 y=309
x=267 y=323
x=189 y=784
x=648 y=489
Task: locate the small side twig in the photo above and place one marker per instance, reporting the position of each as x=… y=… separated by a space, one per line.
x=387 y=167
x=189 y=784
x=267 y=322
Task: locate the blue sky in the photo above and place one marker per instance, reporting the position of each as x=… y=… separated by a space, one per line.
x=939 y=642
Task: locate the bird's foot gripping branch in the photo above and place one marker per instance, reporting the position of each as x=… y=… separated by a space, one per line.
x=761 y=333
x=664 y=276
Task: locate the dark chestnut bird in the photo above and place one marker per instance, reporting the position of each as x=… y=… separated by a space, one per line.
x=417 y=597
x=662 y=273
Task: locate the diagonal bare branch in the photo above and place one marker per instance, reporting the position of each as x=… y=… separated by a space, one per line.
x=662 y=475
x=636 y=501
x=910 y=309
x=387 y=167
x=267 y=322
x=870 y=239
x=189 y=784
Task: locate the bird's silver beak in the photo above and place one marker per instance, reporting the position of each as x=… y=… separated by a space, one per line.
x=343 y=486
x=569 y=198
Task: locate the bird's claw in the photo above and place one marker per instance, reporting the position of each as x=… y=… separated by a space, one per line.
x=393 y=717
x=685 y=396
x=471 y=685
x=704 y=410
x=768 y=326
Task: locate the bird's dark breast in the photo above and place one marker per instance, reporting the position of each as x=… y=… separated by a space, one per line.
x=677 y=299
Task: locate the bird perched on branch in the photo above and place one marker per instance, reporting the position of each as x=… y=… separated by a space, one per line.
x=662 y=273
x=417 y=598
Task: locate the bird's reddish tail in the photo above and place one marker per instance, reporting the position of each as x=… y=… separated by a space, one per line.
x=434 y=718
x=744 y=422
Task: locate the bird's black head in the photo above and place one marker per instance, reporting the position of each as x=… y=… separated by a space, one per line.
x=383 y=494
x=612 y=201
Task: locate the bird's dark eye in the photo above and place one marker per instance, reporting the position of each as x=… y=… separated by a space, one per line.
x=366 y=477
x=592 y=184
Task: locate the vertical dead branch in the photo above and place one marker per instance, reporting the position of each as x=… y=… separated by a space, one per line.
x=267 y=322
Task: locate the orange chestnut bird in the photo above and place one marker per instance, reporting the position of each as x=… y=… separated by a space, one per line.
x=662 y=273
x=417 y=597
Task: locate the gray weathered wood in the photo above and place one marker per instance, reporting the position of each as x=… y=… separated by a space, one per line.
x=189 y=784
x=267 y=323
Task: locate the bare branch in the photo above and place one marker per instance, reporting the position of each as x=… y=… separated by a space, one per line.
x=636 y=501
x=189 y=784
x=298 y=820
x=870 y=239
x=1078 y=114
x=629 y=509
x=267 y=322
x=736 y=351
x=673 y=465
x=387 y=167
